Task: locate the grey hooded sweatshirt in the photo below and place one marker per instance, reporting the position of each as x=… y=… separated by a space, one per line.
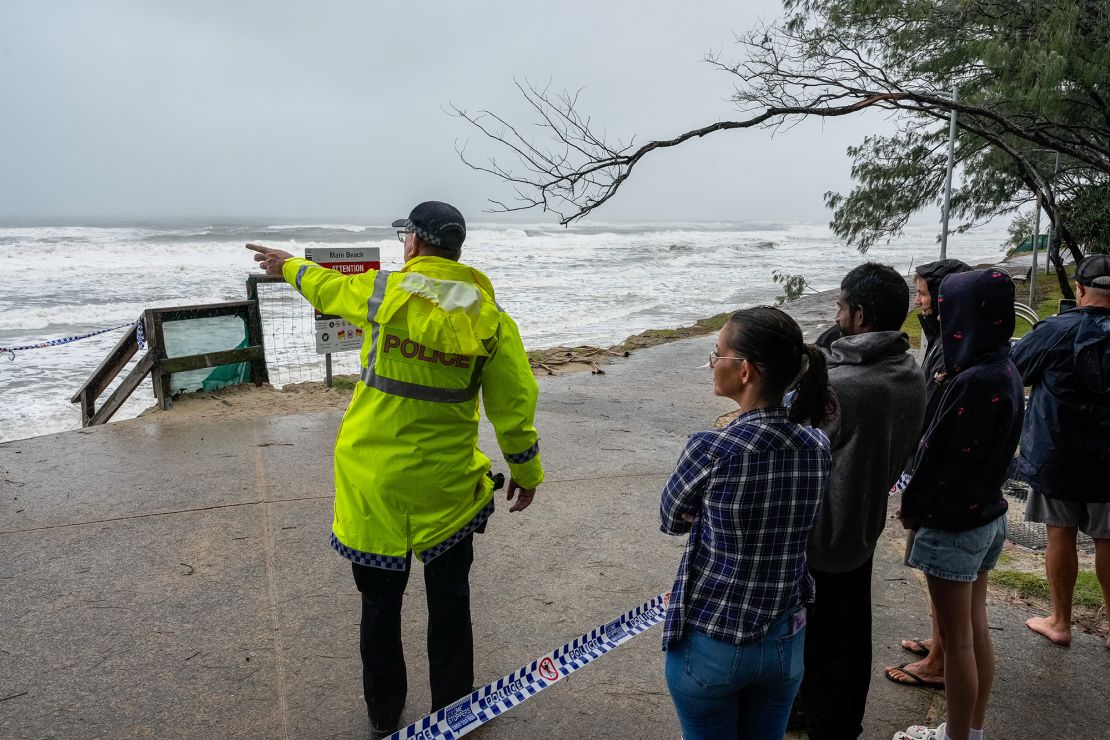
x=881 y=395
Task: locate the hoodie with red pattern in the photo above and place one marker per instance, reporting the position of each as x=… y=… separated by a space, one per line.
x=965 y=453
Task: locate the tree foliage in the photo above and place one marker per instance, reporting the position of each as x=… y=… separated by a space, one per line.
x=1087 y=213
x=1033 y=79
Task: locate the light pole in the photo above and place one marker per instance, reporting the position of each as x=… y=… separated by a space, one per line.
x=948 y=179
x=1037 y=234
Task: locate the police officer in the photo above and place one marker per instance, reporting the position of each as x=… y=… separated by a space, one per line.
x=409 y=477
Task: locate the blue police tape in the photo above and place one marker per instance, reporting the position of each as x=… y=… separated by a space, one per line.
x=493 y=699
x=10 y=351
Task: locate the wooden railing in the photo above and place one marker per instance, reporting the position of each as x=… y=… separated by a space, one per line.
x=156 y=362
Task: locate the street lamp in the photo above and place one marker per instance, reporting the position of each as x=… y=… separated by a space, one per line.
x=1037 y=235
x=948 y=178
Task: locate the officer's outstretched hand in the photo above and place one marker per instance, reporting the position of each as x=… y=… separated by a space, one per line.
x=523 y=495
x=269 y=259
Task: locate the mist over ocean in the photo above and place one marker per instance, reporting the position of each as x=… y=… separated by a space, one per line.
x=592 y=284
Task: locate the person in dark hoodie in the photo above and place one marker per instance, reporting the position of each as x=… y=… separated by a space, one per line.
x=881 y=396
x=954 y=499
x=927 y=279
x=929 y=671
x=1065 y=450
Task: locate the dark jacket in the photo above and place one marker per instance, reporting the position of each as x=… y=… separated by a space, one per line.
x=975 y=421
x=932 y=363
x=881 y=397
x=1065 y=446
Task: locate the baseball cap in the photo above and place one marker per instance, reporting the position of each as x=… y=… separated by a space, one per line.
x=1094 y=271
x=436 y=223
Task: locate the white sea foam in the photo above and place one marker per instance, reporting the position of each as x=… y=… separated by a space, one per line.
x=595 y=283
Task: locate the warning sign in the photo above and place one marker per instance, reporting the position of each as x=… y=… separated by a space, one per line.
x=335 y=334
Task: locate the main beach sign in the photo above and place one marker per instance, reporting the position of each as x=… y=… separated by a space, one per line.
x=335 y=334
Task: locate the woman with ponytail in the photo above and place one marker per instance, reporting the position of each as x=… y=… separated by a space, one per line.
x=748 y=495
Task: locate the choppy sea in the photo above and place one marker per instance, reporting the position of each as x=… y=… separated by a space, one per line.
x=593 y=284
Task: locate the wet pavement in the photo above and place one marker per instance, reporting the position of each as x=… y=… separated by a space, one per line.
x=174 y=580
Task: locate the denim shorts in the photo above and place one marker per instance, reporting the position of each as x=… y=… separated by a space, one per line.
x=958 y=556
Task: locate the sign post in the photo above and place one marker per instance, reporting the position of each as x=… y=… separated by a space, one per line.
x=333 y=333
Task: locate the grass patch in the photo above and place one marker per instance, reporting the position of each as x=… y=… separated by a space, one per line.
x=344 y=382
x=652 y=337
x=1048 y=298
x=912 y=327
x=1035 y=586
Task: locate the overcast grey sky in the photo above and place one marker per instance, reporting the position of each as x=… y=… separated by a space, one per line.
x=335 y=109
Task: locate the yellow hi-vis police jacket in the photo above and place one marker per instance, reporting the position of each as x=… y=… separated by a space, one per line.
x=408 y=471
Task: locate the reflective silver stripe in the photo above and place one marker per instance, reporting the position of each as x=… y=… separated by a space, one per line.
x=300 y=274
x=373 y=303
x=420 y=392
x=401 y=387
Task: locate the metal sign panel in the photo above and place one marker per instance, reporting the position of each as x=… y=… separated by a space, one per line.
x=333 y=333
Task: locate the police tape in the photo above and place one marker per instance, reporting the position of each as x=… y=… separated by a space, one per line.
x=482 y=705
x=10 y=351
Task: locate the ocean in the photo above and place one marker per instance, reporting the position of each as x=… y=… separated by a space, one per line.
x=589 y=284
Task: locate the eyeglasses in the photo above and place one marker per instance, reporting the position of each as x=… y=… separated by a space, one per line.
x=713 y=357
x=401 y=235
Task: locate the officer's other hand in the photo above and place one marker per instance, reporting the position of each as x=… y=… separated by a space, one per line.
x=269 y=259
x=523 y=495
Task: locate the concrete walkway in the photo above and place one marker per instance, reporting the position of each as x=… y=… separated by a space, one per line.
x=174 y=580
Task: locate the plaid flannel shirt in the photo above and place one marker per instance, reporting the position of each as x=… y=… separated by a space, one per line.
x=754 y=489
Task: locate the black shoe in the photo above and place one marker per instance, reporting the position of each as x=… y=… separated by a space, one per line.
x=378 y=732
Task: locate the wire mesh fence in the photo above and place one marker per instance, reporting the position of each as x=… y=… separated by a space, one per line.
x=1030 y=534
x=289 y=336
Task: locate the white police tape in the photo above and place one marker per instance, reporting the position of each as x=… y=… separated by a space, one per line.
x=493 y=699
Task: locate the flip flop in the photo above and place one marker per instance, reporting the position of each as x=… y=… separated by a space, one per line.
x=918 y=647
x=915 y=680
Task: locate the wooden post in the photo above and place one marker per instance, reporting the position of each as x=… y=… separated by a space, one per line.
x=260 y=373
x=156 y=338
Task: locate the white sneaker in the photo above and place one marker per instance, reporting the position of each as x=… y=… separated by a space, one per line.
x=921 y=732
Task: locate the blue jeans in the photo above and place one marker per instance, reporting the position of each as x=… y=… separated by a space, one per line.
x=721 y=690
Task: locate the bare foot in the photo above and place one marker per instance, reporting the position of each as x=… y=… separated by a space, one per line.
x=1047 y=627
x=922 y=671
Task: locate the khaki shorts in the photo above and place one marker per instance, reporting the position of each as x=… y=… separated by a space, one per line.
x=1092 y=520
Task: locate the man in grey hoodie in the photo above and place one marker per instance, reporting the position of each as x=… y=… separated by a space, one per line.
x=881 y=396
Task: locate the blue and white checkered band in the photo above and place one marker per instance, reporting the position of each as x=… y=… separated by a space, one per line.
x=427 y=236
x=369 y=559
x=447 y=544
x=523 y=457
